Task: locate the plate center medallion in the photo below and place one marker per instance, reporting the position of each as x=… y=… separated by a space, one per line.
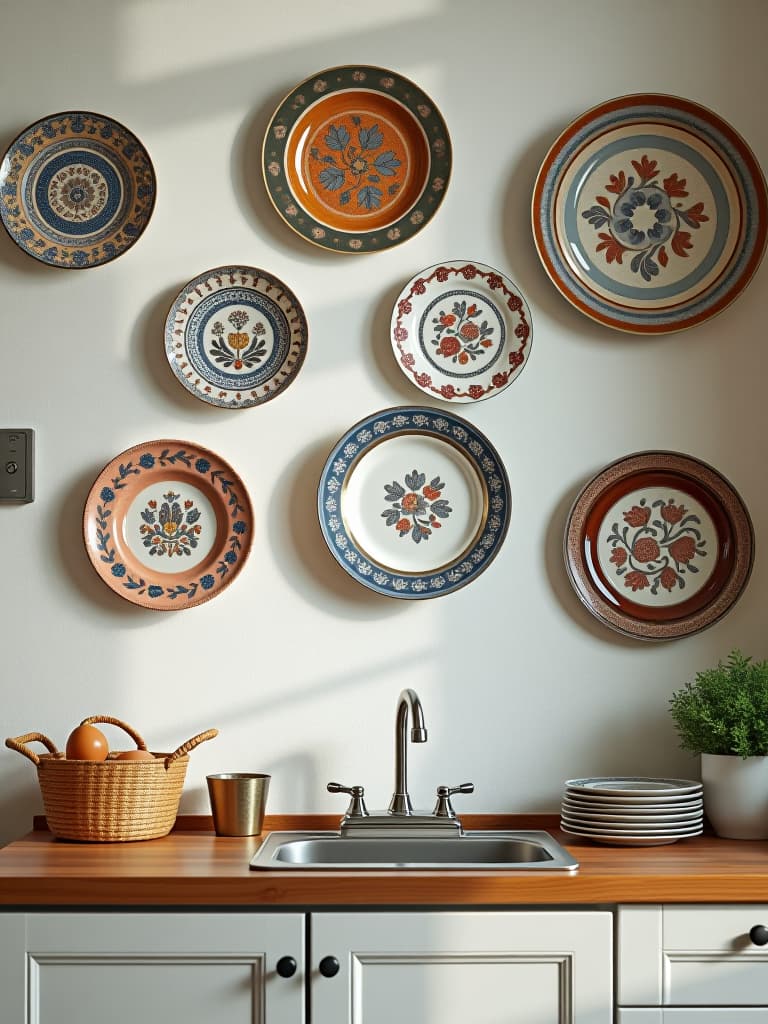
x=170 y=526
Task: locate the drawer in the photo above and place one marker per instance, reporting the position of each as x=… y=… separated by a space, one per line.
x=699 y=1015
x=697 y=955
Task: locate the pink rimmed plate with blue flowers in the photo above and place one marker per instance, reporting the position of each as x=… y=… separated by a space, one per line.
x=168 y=525
x=414 y=503
x=650 y=213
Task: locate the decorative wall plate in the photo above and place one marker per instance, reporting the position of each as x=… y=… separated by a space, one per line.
x=650 y=213
x=414 y=503
x=236 y=336
x=356 y=159
x=658 y=545
x=461 y=331
x=76 y=189
x=168 y=524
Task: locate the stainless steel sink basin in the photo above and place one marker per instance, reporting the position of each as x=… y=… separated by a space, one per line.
x=495 y=851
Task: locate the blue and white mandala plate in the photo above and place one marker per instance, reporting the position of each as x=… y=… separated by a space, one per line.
x=236 y=336
x=414 y=503
x=76 y=189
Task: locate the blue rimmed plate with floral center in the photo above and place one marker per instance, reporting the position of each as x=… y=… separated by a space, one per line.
x=650 y=213
x=356 y=159
x=236 y=336
x=414 y=503
x=77 y=189
x=461 y=331
x=168 y=525
x=659 y=545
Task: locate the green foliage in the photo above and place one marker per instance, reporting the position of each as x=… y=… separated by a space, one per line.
x=725 y=709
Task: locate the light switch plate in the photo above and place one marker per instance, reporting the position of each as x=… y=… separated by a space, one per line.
x=17 y=464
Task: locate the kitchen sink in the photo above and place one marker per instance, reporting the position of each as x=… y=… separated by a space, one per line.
x=471 y=851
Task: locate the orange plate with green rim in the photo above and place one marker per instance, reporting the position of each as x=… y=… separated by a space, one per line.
x=357 y=159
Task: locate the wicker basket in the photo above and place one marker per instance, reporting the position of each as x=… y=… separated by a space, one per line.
x=114 y=800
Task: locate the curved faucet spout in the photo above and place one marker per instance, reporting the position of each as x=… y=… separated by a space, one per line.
x=408 y=701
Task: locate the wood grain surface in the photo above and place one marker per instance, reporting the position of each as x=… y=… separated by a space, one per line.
x=194 y=867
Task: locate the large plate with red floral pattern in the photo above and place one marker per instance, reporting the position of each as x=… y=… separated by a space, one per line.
x=659 y=545
x=414 y=503
x=650 y=213
x=168 y=524
x=356 y=159
x=461 y=331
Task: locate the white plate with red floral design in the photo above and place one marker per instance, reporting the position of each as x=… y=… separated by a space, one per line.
x=650 y=213
x=659 y=545
x=461 y=331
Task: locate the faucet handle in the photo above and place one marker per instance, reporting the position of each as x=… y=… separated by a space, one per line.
x=443 y=807
x=357 y=808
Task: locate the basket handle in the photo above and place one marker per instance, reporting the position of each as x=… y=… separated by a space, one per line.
x=19 y=743
x=190 y=745
x=108 y=720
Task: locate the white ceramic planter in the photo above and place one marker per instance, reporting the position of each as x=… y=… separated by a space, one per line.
x=736 y=795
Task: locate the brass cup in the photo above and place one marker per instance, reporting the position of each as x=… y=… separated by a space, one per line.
x=238 y=800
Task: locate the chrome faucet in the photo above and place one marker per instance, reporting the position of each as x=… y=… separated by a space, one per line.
x=407 y=701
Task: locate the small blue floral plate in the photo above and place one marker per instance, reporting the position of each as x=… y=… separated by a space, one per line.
x=77 y=189
x=414 y=503
x=236 y=336
x=168 y=525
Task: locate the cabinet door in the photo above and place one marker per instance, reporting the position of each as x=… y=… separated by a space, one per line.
x=153 y=968
x=454 y=968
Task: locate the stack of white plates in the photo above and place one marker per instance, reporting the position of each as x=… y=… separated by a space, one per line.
x=631 y=811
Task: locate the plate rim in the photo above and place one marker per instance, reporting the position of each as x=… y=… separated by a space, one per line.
x=413 y=586
x=201 y=593
x=524 y=313
x=169 y=324
x=709 y=479
x=437 y=163
x=580 y=784
x=753 y=176
x=147 y=216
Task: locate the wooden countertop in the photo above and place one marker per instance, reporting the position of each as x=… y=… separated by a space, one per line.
x=194 y=867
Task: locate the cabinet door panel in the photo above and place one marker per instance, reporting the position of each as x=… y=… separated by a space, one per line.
x=451 y=968
x=152 y=968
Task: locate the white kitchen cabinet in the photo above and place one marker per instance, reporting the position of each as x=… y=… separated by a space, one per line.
x=694 y=963
x=515 y=967
x=125 y=968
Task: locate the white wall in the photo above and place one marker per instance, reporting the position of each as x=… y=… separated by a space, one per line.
x=296 y=664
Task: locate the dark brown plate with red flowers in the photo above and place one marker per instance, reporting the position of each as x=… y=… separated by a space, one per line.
x=659 y=545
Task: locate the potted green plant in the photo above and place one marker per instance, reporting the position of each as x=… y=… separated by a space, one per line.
x=723 y=715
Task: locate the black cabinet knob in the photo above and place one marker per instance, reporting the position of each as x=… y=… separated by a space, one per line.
x=329 y=967
x=286 y=967
x=759 y=935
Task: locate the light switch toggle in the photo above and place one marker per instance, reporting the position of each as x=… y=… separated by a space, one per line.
x=17 y=457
